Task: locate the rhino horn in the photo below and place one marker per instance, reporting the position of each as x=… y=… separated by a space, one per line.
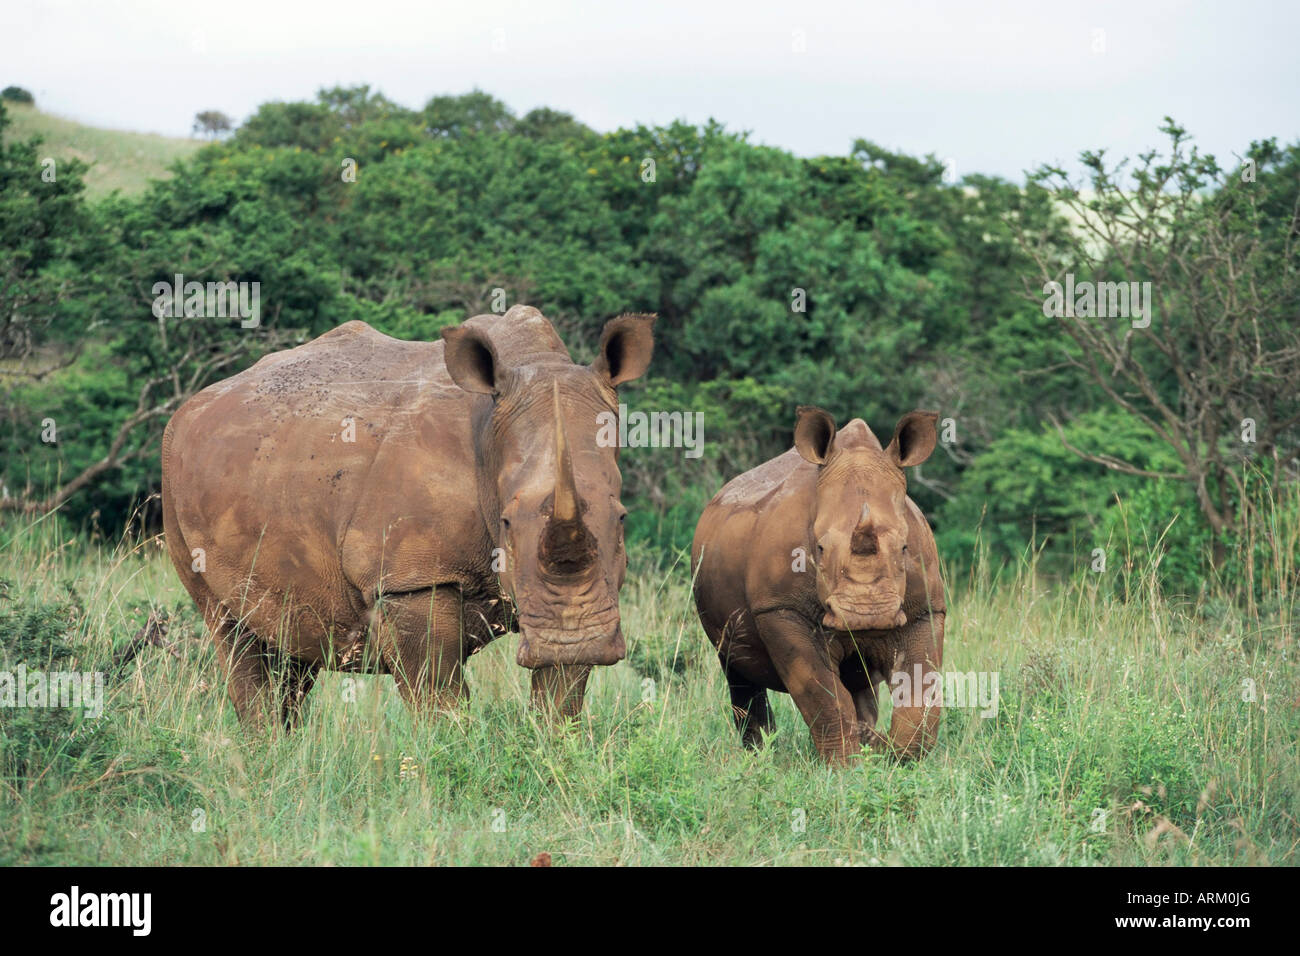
x=566 y=490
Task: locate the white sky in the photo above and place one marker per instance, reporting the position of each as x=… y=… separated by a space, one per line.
x=995 y=87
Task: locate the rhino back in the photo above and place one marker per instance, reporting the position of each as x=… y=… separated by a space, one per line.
x=299 y=525
x=745 y=544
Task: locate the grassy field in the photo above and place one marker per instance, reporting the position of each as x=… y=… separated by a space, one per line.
x=118 y=159
x=1122 y=737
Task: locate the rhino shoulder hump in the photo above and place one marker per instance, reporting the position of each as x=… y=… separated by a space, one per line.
x=353 y=327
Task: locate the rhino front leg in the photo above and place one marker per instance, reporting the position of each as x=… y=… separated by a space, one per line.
x=814 y=683
x=420 y=640
x=914 y=728
x=558 y=691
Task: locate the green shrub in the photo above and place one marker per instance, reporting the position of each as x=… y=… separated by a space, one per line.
x=1157 y=526
x=37 y=635
x=16 y=94
x=1027 y=486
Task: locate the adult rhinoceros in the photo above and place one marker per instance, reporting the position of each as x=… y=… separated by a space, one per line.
x=817 y=575
x=365 y=503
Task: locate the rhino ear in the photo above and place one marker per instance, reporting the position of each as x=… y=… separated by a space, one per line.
x=626 y=344
x=471 y=360
x=914 y=439
x=813 y=433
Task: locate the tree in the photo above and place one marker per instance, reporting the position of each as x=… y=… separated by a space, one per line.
x=212 y=123
x=355 y=105
x=473 y=112
x=43 y=225
x=339 y=114
x=1218 y=249
x=548 y=124
x=95 y=356
x=16 y=94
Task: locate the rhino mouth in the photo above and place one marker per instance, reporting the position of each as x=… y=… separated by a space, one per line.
x=842 y=615
x=549 y=641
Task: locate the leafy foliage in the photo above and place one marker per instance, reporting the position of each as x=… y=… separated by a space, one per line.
x=37 y=638
x=16 y=94
x=865 y=283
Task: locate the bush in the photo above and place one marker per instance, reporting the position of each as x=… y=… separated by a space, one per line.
x=36 y=635
x=16 y=94
x=1027 y=486
x=1157 y=526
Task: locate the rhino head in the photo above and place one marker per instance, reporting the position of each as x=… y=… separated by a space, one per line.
x=549 y=492
x=859 y=521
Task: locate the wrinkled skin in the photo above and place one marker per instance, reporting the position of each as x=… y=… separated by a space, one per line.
x=473 y=485
x=816 y=575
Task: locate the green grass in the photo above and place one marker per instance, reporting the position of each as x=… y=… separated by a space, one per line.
x=119 y=160
x=1131 y=713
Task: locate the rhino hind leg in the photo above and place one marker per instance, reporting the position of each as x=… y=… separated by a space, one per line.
x=749 y=709
x=295 y=682
x=867 y=706
x=421 y=640
x=265 y=686
x=863 y=682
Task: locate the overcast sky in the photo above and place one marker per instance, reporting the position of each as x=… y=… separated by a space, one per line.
x=994 y=88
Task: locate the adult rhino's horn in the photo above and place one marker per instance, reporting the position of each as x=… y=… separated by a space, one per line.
x=566 y=489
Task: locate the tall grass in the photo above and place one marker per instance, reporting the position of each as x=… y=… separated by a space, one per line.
x=118 y=160
x=1132 y=728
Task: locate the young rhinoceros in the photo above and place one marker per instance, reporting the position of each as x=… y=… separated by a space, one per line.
x=366 y=503
x=815 y=574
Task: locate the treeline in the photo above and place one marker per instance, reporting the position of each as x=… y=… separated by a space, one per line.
x=865 y=283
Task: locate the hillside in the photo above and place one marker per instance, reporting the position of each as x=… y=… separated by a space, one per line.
x=118 y=159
